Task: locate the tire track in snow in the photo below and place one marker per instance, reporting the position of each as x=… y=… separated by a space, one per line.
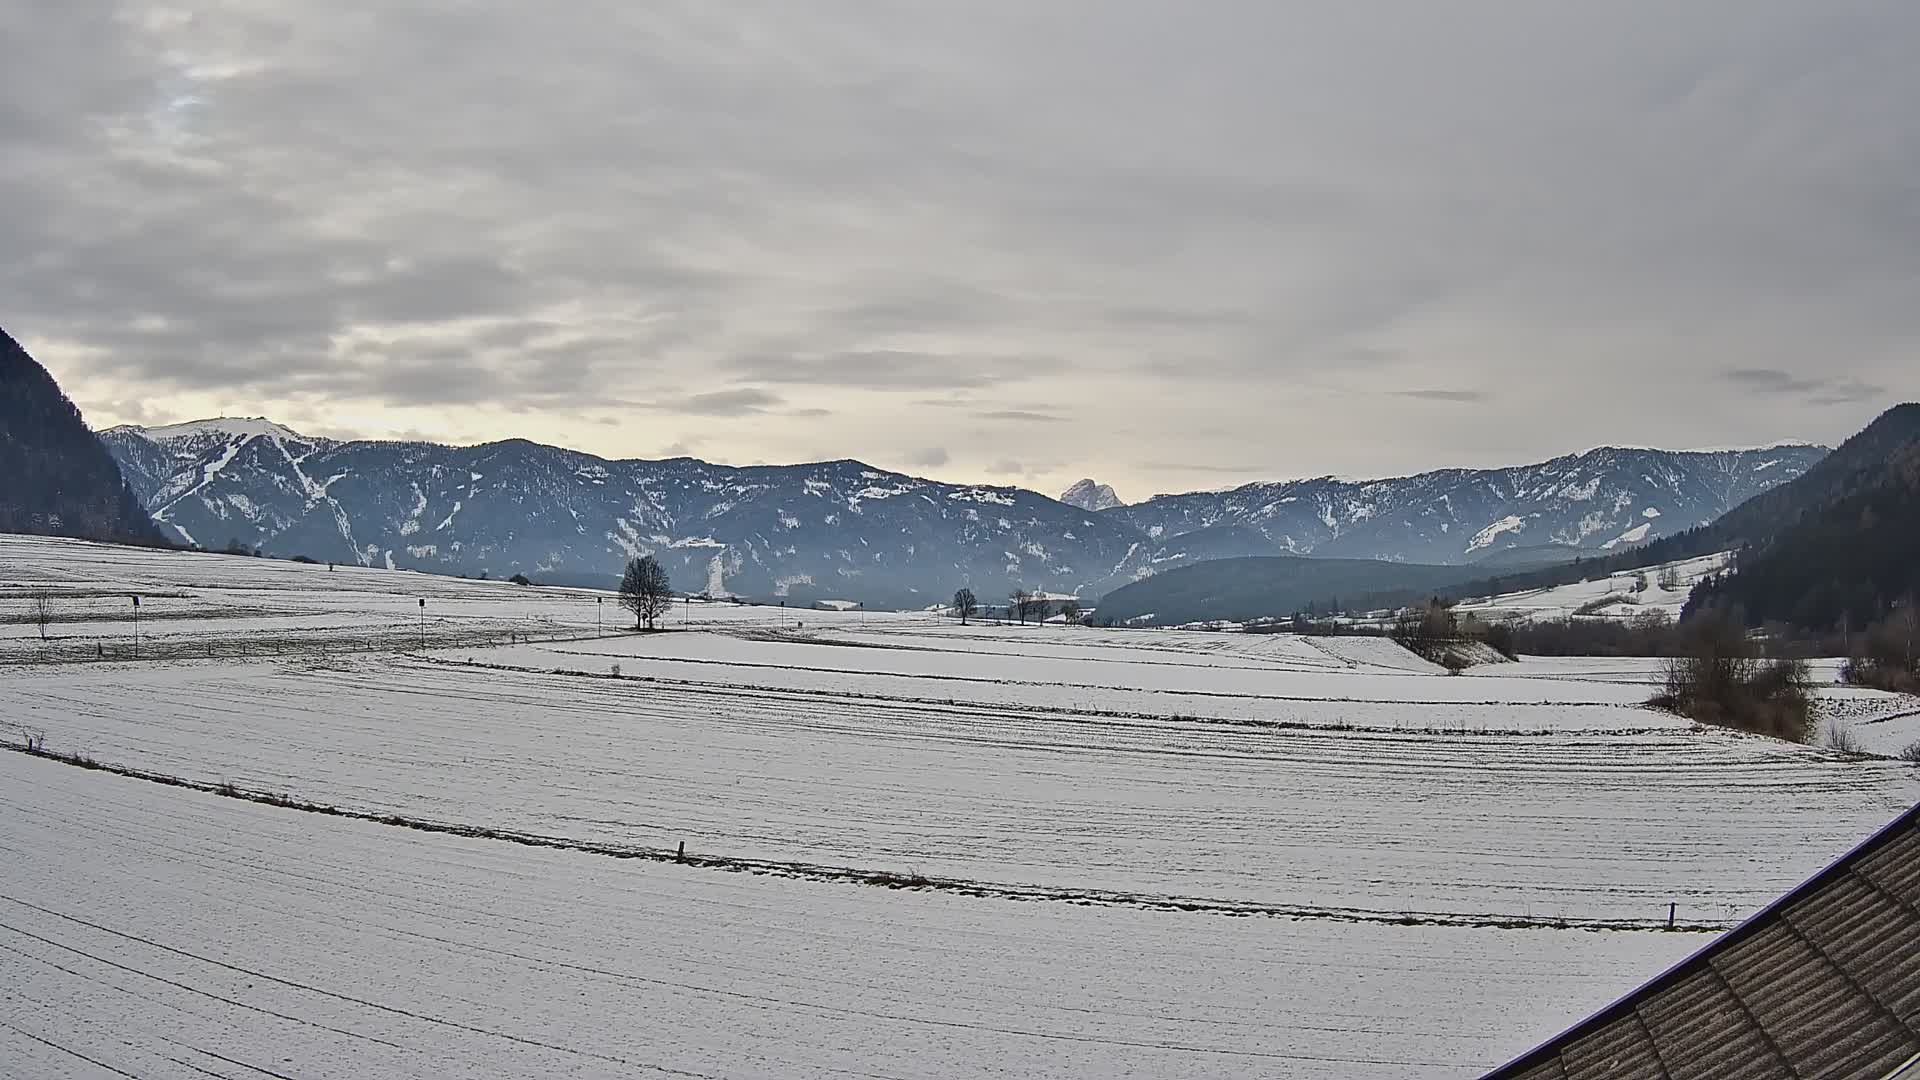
x=321 y=991
x=183 y=986
x=993 y=1029
x=69 y=1051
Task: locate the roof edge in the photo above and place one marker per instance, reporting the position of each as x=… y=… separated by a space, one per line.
x=1748 y=927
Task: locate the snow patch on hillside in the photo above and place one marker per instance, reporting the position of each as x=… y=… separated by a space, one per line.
x=1631 y=536
x=628 y=539
x=1485 y=537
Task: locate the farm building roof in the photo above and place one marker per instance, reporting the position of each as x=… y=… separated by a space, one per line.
x=1825 y=982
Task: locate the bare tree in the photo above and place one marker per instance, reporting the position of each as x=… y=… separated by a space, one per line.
x=965 y=605
x=646 y=591
x=1017 y=602
x=1426 y=629
x=42 y=612
x=1071 y=609
x=1718 y=678
x=1905 y=624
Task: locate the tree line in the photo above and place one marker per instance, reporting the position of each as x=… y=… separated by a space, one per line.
x=1022 y=605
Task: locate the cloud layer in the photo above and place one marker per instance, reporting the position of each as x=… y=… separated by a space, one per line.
x=1091 y=237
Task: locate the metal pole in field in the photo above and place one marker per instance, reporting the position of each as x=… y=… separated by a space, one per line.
x=136 y=627
x=423 y=622
x=599 y=605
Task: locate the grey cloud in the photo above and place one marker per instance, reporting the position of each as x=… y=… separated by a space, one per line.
x=435 y=290
x=888 y=369
x=1837 y=391
x=1027 y=416
x=1362 y=357
x=1772 y=381
x=1178 y=318
x=1006 y=467
x=1463 y=396
x=983 y=209
x=931 y=457
x=913 y=307
x=742 y=402
x=1206 y=467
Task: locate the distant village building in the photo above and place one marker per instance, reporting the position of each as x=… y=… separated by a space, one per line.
x=1824 y=983
x=1051 y=605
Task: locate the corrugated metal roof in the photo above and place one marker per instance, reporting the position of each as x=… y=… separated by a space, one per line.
x=1823 y=983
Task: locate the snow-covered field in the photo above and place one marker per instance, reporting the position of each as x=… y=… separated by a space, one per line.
x=195 y=605
x=169 y=933
x=1079 y=816
x=1482 y=826
x=1878 y=722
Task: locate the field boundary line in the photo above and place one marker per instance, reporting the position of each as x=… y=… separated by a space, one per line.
x=1108 y=714
x=890 y=879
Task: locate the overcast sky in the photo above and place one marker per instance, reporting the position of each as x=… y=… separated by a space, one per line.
x=1170 y=245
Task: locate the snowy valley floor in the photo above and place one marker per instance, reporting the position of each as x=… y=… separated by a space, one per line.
x=1130 y=853
x=160 y=931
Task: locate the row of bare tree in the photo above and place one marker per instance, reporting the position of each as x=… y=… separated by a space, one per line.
x=1021 y=605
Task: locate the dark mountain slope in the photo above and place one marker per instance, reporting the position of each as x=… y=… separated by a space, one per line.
x=1754 y=523
x=1266 y=587
x=1853 y=465
x=1843 y=564
x=56 y=479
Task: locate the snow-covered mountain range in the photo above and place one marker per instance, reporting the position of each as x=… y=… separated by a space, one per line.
x=1599 y=500
x=844 y=529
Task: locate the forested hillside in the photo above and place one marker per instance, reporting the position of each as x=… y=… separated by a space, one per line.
x=56 y=479
x=1846 y=564
x=1271 y=586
